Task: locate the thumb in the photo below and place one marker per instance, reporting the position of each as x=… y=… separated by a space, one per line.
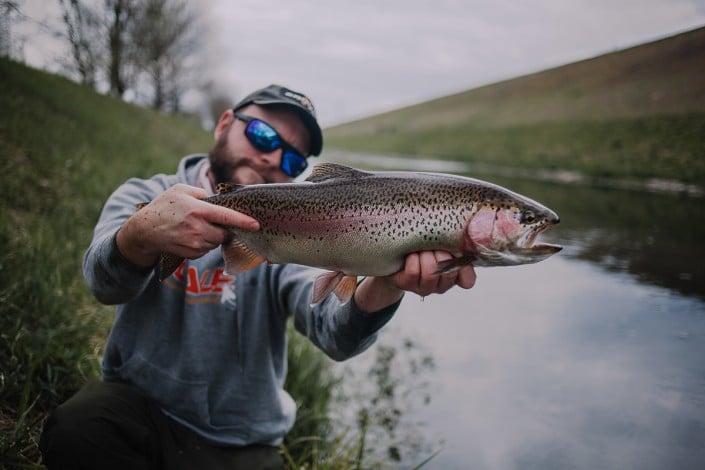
x=227 y=217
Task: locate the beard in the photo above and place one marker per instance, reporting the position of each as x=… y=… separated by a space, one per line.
x=229 y=168
x=222 y=165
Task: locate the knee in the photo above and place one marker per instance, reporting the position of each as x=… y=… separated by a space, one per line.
x=69 y=431
x=61 y=441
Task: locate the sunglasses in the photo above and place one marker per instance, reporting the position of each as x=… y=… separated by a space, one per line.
x=265 y=138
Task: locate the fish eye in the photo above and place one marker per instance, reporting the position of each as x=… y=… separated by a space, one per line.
x=528 y=217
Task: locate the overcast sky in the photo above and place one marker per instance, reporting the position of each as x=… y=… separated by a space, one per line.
x=356 y=58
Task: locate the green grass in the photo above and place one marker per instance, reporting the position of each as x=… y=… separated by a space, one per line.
x=656 y=146
x=637 y=113
x=63 y=150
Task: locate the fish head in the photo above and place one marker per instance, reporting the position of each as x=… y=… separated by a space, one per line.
x=504 y=227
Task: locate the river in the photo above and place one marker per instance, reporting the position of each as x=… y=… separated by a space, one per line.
x=594 y=358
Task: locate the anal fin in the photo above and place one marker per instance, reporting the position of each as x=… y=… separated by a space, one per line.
x=346 y=288
x=324 y=284
x=239 y=257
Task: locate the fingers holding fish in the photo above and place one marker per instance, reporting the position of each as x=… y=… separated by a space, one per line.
x=408 y=278
x=466 y=277
x=445 y=280
x=428 y=279
x=205 y=238
x=420 y=273
x=174 y=223
x=227 y=217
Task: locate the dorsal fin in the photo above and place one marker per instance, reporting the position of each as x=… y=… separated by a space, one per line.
x=325 y=171
x=226 y=187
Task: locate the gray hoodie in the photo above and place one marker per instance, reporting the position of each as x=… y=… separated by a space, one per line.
x=210 y=348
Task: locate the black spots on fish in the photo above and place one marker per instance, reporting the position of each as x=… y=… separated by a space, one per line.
x=396 y=208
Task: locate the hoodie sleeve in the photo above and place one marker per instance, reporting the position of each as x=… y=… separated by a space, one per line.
x=340 y=331
x=111 y=277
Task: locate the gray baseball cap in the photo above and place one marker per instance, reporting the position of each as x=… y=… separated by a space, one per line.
x=276 y=94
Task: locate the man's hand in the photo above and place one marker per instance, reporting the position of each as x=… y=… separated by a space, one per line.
x=178 y=222
x=419 y=276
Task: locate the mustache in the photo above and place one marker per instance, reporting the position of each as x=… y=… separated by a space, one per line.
x=224 y=169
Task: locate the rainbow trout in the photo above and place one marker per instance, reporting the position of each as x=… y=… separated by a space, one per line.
x=359 y=223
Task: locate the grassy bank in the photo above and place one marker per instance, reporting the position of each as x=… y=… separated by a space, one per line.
x=636 y=113
x=63 y=149
x=668 y=147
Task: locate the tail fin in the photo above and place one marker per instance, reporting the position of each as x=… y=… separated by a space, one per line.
x=168 y=264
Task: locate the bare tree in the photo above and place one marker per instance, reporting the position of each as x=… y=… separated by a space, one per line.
x=167 y=34
x=120 y=17
x=83 y=31
x=9 y=11
x=94 y=58
x=146 y=46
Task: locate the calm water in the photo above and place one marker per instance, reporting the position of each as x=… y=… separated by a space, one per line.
x=594 y=358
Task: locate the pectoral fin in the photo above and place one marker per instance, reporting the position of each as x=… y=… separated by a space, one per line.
x=454 y=264
x=239 y=257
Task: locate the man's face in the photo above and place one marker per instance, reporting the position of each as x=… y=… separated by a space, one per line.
x=234 y=159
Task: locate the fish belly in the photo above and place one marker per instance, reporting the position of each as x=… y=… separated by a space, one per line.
x=352 y=251
x=351 y=255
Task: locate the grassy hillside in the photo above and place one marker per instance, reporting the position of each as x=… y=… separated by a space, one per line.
x=63 y=150
x=639 y=112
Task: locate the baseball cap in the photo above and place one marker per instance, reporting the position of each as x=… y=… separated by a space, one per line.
x=276 y=94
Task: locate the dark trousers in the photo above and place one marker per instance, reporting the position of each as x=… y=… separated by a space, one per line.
x=114 y=426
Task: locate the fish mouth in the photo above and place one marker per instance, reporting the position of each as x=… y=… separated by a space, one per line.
x=527 y=244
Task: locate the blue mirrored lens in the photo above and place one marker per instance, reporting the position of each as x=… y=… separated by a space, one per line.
x=263 y=136
x=293 y=164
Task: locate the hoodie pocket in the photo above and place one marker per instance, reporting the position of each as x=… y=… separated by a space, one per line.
x=187 y=399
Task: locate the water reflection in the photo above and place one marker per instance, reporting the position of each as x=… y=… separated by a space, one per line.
x=594 y=358
x=563 y=365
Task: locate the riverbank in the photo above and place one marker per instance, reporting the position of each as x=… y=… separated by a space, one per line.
x=420 y=163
